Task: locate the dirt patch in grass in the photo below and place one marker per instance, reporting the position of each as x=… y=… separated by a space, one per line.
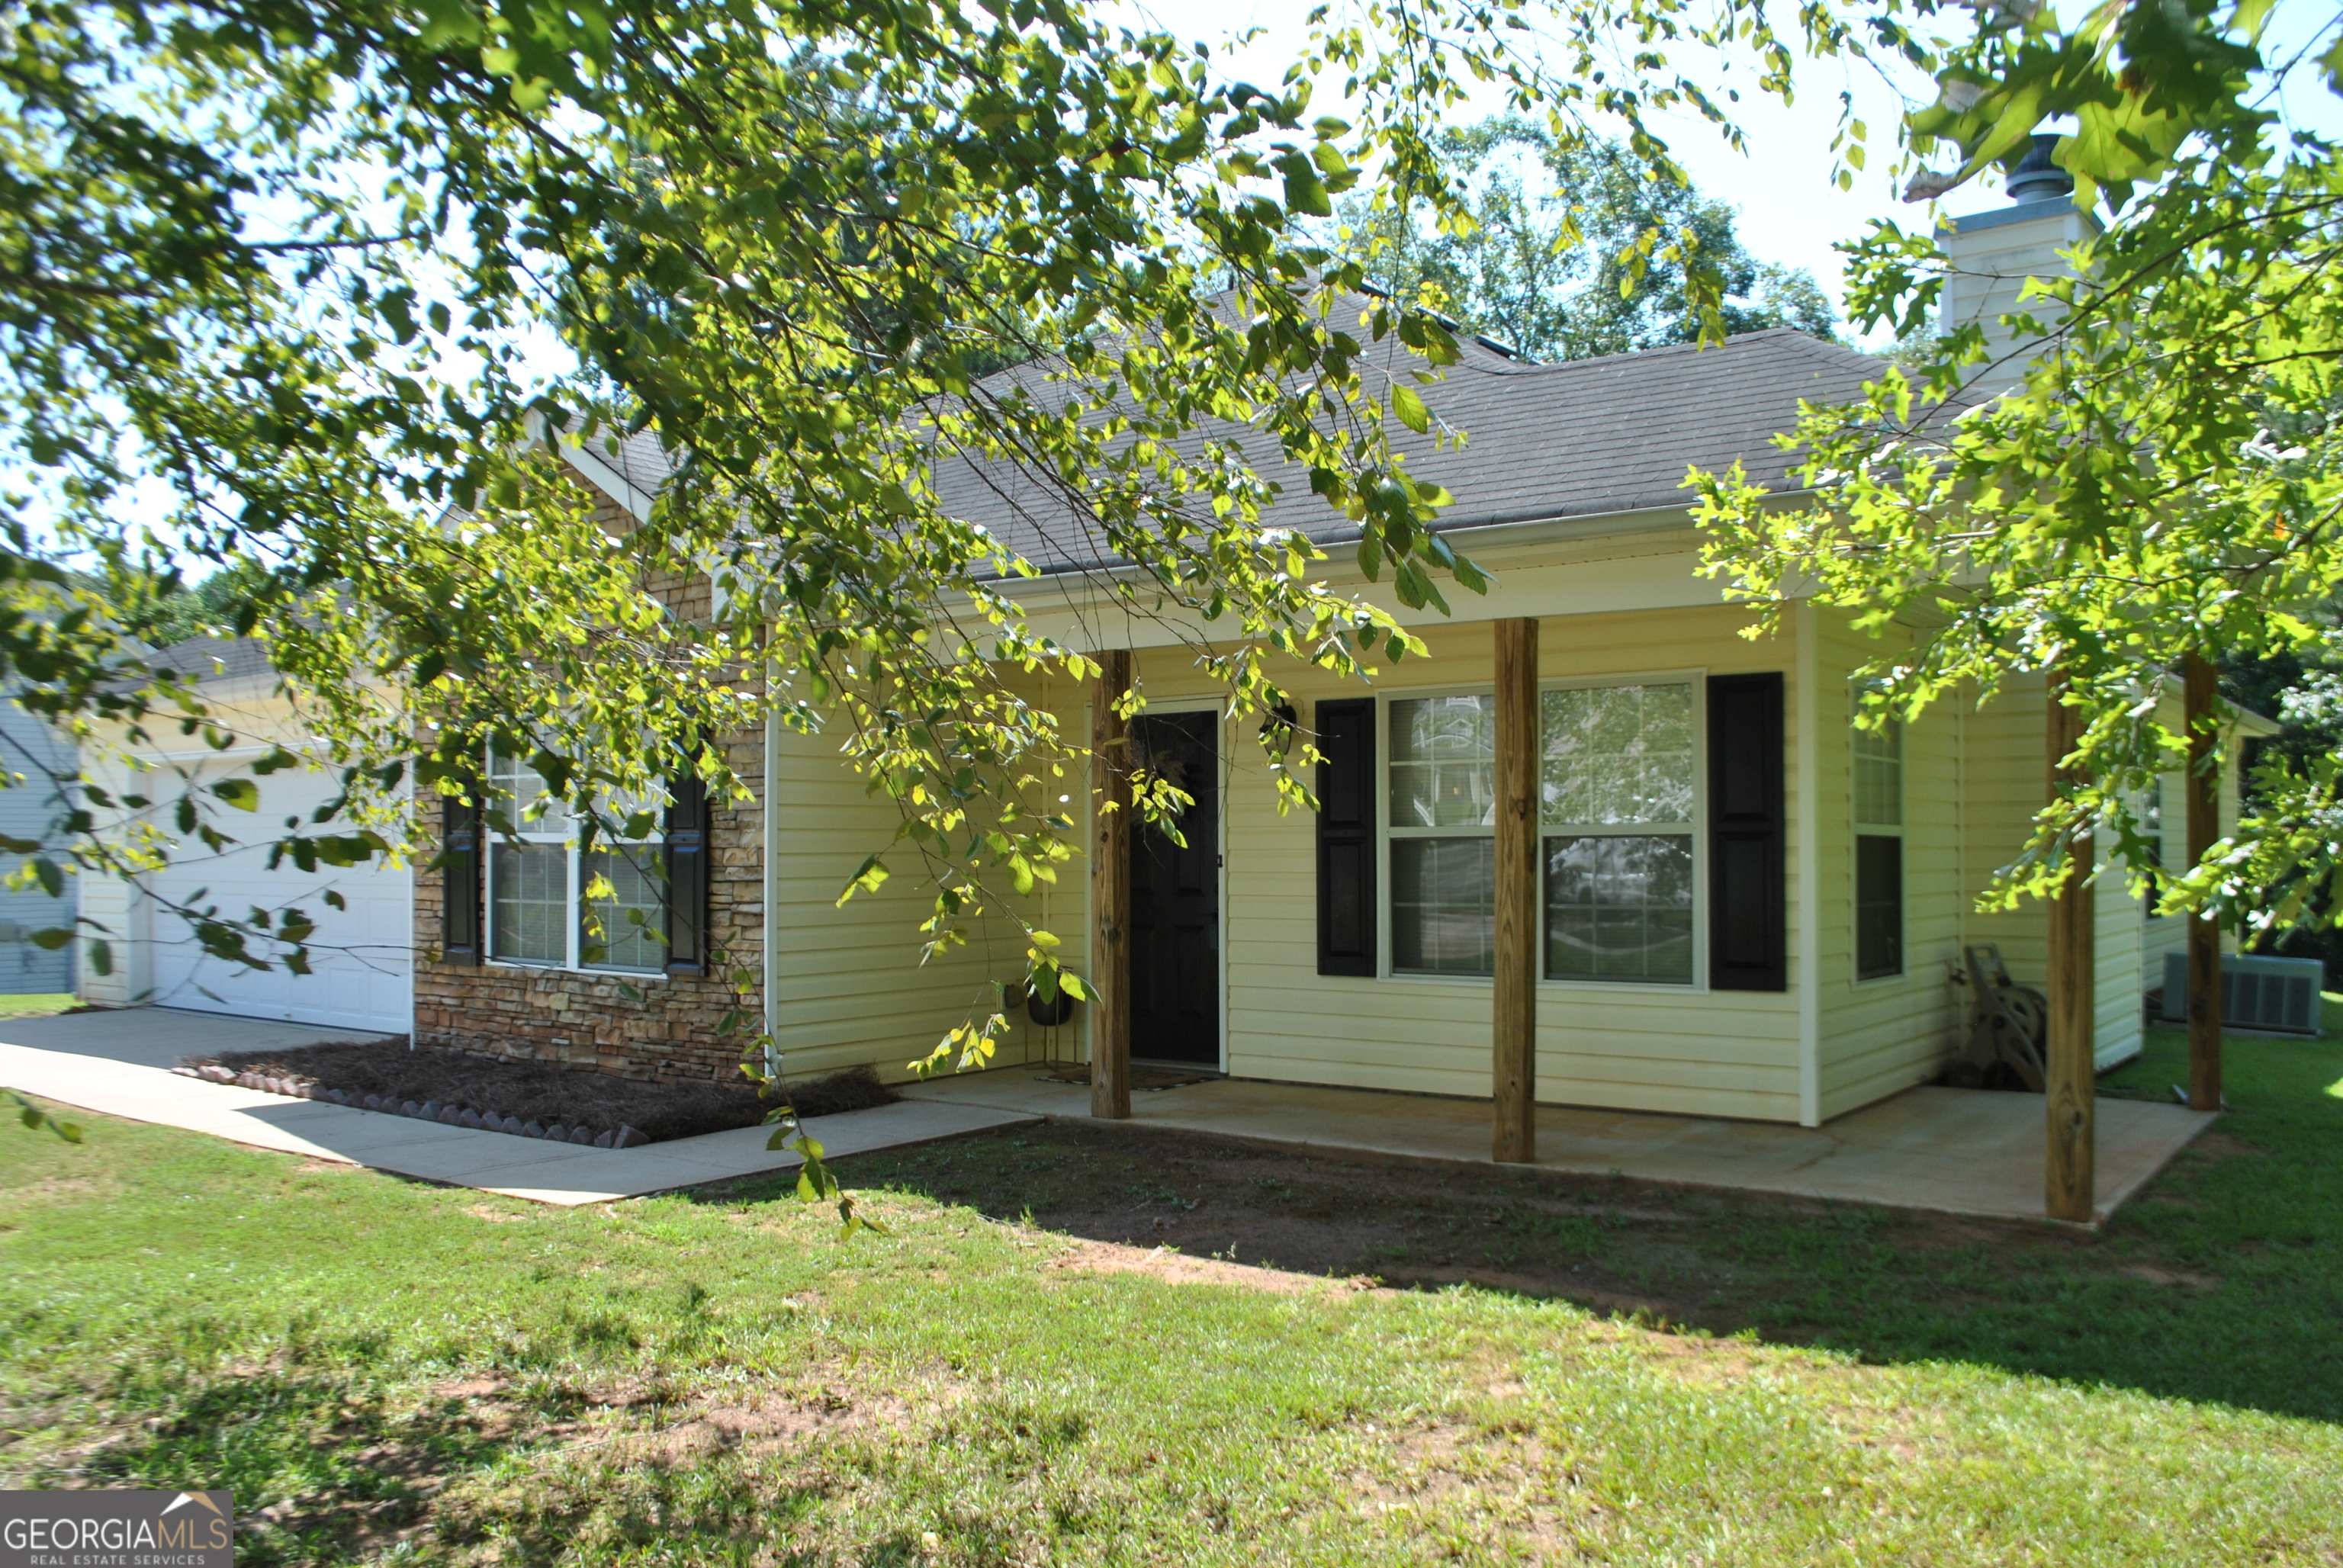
x=2215 y=1144
x=757 y=1425
x=1190 y=1209
x=1177 y=1268
x=542 y=1092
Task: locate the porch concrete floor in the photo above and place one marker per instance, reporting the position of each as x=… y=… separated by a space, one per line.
x=119 y=1062
x=1954 y=1150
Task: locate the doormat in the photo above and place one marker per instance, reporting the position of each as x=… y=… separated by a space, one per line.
x=1140 y=1077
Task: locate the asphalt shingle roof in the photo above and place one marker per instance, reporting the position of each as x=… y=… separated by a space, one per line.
x=214 y=658
x=1575 y=438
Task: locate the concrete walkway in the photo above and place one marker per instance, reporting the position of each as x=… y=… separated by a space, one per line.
x=118 y=1064
x=1961 y=1152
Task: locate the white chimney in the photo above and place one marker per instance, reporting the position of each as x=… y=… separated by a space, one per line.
x=1993 y=252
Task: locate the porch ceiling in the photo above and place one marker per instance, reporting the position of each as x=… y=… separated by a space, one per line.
x=1959 y=1151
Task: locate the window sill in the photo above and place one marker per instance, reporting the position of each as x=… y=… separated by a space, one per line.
x=659 y=975
x=1627 y=988
x=1664 y=989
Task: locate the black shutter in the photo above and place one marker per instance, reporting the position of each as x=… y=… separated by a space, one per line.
x=459 y=880
x=686 y=874
x=1748 y=906
x=1347 y=838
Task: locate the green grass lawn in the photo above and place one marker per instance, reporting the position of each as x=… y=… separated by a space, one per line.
x=388 y=1372
x=36 y=1004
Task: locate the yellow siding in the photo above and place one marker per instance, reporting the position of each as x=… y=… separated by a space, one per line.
x=2009 y=773
x=849 y=984
x=1656 y=1049
x=1881 y=1035
x=850 y=989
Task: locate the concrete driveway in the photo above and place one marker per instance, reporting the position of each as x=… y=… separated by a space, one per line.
x=164 y=1037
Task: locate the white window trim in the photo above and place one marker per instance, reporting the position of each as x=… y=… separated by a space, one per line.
x=1859 y=829
x=1385 y=835
x=572 y=962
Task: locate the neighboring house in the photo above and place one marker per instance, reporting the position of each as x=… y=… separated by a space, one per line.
x=1749 y=908
x=359 y=956
x=31 y=811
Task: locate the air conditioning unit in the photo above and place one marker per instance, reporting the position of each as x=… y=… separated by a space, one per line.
x=2279 y=995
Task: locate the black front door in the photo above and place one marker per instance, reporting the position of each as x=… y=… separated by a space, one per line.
x=1175 y=898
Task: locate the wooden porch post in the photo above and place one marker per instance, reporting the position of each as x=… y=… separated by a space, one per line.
x=2069 y=1072
x=2204 y=930
x=1514 y=1013
x=1110 y=891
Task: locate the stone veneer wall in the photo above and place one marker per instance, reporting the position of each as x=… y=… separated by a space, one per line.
x=587 y=1020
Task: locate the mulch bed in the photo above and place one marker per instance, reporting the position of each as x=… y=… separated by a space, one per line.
x=531 y=1099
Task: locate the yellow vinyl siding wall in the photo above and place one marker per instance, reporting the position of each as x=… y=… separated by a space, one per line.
x=850 y=989
x=2008 y=775
x=1655 y=1048
x=849 y=986
x=1880 y=1036
x=2122 y=977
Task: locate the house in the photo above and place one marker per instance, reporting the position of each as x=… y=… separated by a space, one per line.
x=1746 y=907
x=1743 y=906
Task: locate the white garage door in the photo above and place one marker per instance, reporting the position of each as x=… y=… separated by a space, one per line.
x=361 y=956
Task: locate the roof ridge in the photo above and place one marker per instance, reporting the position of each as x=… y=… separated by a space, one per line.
x=1666 y=351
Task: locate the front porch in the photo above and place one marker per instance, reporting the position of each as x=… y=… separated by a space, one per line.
x=1954 y=1150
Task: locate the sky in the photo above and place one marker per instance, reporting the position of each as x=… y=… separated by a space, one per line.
x=1790 y=212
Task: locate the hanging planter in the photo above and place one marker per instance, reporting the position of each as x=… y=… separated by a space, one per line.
x=1048 y=1012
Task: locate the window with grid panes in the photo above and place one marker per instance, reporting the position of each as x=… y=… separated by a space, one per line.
x=1620 y=788
x=553 y=906
x=1619 y=781
x=1879 y=851
x=1443 y=778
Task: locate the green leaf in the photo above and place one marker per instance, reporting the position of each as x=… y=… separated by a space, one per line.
x=867 y=878
x=241 y=793
x=1409 y=406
